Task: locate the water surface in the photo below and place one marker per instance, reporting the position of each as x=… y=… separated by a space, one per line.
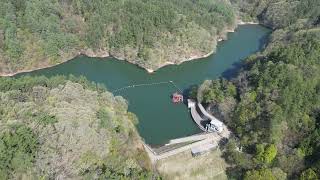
x=159 y=119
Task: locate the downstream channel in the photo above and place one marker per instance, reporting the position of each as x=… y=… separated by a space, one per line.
x=160 y=119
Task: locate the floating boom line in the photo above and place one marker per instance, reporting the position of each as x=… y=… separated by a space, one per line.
x=176 y=86
x=146 y=84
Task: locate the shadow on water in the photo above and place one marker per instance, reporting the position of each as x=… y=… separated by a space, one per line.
x=233 y=71
x=236 y=67
x=264 y=40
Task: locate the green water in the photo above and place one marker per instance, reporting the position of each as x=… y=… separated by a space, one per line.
x=159 y=119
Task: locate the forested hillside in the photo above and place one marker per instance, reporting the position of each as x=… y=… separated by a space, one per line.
x=39 y=33
x=273 y=104
x=279 y=13
x=63 y=128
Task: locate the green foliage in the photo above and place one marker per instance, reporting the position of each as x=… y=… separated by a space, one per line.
x=265 y=174
x=311 y=144
x=126 y=171
x=266 y=153
x=261 y=174
x=38 y=33
x=45 y=119
x=216 y=91
x=95 y=31
x=104 y=117
x=279 y=107
x=18 y=147
x=41 y=117
x=279 y=13
x=193 y=92
x=308 y=174
x=276 y=116
x=26 y=83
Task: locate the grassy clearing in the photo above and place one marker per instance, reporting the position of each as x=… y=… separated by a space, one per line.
x=184 y=166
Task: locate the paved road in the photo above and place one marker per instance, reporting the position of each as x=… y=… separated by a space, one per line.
x=196 y=137
x=195 y=115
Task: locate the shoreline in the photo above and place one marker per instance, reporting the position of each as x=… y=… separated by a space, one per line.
x=105 y=54
x=249 y=22
x=87 y=52
x=167 y=63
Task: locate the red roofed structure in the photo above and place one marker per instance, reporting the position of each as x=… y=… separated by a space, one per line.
x=177 y=98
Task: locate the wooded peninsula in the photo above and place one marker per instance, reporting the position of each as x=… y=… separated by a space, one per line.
x=36 y=34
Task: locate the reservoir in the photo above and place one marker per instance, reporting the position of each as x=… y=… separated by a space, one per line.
x=159 y=119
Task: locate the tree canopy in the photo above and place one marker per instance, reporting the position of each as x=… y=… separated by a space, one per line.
x=274 y=111
x=37 y=33
x=67 y=128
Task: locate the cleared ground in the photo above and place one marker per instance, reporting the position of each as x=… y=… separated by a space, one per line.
x=184 y=166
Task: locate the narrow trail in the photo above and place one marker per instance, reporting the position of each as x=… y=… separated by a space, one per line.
x=146 y=84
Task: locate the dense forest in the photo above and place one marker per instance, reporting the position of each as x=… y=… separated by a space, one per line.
x=273 y=104
x=279 y=13
x=62 y=128
x=39 y=33
x=67 y=127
